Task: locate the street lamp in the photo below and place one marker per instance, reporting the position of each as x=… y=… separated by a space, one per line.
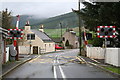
x=61 y=28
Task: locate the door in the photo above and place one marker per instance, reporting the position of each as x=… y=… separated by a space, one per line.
x=35 y=49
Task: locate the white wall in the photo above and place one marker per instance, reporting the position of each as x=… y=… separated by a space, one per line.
x=49 y=47
x=113 y=56
x=95 y=52
x=7 y=54
x=24 y=49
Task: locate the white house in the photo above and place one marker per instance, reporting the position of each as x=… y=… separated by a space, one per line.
x=70 y=37
x=35 y=41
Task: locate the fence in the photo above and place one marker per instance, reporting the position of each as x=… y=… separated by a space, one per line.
x=113 y=56
x=96 y=52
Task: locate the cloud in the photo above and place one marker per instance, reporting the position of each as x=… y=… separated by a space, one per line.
x=42 y=9
x=39 y=0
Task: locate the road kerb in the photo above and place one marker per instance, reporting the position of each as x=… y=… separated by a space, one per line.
x=15 y=67
x=114 y=74
x=98 y=66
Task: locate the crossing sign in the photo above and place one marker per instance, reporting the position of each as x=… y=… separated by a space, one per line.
x=106 y=31
x=15 y=33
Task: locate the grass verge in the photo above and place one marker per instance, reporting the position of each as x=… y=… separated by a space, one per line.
x=113 y=69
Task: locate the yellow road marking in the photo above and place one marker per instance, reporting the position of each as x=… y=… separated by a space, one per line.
x=34 y=59
x=80 y=60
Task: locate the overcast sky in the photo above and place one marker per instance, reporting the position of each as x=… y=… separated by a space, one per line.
x=40 y=8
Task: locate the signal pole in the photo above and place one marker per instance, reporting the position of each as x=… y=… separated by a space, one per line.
x=15 y=40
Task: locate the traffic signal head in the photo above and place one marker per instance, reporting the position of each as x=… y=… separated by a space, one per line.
x=89 y=36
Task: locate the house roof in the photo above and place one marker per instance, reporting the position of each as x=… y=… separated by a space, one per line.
x=3 y=32
x=42 y=35
x=57 y=40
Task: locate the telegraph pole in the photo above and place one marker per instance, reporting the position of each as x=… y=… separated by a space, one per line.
x=79 y=24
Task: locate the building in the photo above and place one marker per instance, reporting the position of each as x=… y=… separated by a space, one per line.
x=69 y=37
x=3 y=36
x=35 y=41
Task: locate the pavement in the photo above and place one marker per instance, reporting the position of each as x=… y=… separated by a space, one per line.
x=9 y=66
x=99 y=63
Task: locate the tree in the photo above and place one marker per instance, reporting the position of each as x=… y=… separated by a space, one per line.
x=101 y=13
x=6 y=19
x=0 y=19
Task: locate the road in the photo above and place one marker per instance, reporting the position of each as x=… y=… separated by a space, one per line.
x=63 y=65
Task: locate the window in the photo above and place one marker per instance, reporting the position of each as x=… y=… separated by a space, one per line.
x=45 y=45
x=30 y=36
x=49 y=45
x=63 y=38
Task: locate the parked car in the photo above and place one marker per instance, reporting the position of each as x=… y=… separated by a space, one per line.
x=58 y=47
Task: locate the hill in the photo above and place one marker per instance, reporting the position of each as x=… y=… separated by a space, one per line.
x=24 y=18
x=68 y=20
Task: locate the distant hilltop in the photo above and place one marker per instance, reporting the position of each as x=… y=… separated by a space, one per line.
x=69 y=20
x=24 y=18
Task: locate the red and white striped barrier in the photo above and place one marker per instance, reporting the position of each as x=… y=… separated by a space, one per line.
x=86 y=42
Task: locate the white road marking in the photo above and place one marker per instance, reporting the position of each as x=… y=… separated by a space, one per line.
x=83 y=59
x=55 y=72
x=61 y=71
x=95 y=60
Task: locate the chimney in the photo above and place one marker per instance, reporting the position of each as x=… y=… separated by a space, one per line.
x=41 y=28
x=27 y=26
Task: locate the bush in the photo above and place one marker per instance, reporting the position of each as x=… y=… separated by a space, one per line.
x=97 y=42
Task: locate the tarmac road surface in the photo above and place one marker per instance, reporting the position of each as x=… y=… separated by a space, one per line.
x=62 y=65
